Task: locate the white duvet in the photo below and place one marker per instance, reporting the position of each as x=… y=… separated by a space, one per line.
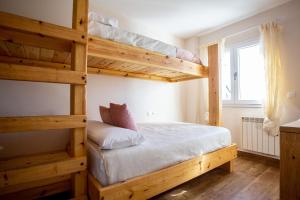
x=165 y=145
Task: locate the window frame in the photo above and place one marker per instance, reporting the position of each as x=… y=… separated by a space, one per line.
x=234 y=76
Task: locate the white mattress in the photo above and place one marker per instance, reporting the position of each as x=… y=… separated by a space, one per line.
x=125 y=37
x=165 y=145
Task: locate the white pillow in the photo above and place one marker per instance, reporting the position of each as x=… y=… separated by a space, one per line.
x=112 y=137
x=100 y=18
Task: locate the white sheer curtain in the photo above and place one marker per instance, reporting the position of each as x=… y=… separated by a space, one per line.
x=270 y=35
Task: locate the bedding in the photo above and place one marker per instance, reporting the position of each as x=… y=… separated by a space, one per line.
x=165 y=144
x=187 y=55
x=100 y=18
x=105 y=115
x=121 y=116
x=111 y=137
x=116 y=34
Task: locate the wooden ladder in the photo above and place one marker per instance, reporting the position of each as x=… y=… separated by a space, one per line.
x=40 y=175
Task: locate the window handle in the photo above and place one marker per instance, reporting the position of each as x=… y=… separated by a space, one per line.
x=235 y=76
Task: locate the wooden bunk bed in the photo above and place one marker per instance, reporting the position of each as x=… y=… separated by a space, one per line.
x=149 y=185
x=37 y=51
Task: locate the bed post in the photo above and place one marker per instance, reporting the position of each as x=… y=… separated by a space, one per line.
x=213 y=85
x=78 y=95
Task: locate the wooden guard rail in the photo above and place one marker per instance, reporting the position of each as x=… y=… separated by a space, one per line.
x=41 y=28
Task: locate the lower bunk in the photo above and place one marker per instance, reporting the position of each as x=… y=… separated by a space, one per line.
x=152 y=184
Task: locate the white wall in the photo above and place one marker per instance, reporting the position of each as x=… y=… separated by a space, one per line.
x=26 y=98
x=60 y=12
x=161 y=100
x=288 y=16
x=195 y=92
x=135 y=26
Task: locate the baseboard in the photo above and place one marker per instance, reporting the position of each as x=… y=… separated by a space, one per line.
x=259 y=156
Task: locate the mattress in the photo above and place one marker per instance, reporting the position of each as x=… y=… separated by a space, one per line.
x=116 y=34
x=165 y=144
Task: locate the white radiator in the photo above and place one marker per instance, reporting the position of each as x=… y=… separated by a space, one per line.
x=255 y=139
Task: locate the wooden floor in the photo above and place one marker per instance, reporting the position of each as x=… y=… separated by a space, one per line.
x=252 y=178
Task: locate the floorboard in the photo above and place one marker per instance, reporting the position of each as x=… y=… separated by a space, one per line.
x=252 y=179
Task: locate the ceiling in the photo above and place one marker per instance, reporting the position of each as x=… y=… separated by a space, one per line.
x=186 y=18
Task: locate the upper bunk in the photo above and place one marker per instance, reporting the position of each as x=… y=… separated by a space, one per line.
x=27 y=42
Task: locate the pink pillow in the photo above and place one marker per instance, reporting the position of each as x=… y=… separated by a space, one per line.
x=121 y=117
x=105 y=115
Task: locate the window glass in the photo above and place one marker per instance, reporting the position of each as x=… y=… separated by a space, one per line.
x=251 y=73
x=226 y=77
x=243 y=78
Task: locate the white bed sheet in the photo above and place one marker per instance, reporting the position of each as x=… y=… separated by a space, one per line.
x=165 y=144
x=125 y=37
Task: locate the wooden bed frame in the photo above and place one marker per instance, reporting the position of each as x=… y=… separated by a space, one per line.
x=149 y=185
x=37 y=51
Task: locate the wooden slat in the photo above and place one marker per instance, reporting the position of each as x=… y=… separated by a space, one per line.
x=32 y=52
x=39 y=192
x=42 y=28
x=93 y=70
x=213 y=85
x=33 y=63
x=59 y=57
x=42 y=171
x=78 y=95
x=34 y=40
x=15 y=49
x=40 y=74
x=32 y=160
x=93 y=61
x=96 y=70
x=36 y=123
x=184 y=78
x=3 y=49
x=34 y=184
x=116 y=51
x=46 y=54
x=149 y=185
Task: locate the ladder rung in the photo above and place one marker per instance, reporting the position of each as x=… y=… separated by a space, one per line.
x=43 y=28
x=45 y=170
x=36 y=123
x=40 y=74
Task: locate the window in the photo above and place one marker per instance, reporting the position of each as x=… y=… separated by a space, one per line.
x=243 y=75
